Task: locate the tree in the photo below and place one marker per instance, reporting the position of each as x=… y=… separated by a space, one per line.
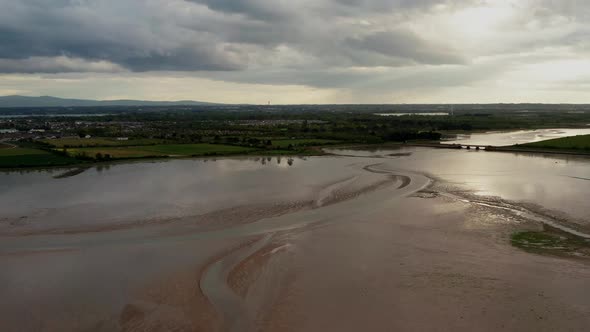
x=304 y=126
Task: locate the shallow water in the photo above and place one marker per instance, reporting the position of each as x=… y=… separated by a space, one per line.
x=176 y=188
x=559 y=183
x=516 y=137
x=134 y=192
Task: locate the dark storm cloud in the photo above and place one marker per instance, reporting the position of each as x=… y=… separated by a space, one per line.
x=379 y=5
x=60 y=64
x=277 y=36
x=204 y=35
x=257 y=9
x=136 y=38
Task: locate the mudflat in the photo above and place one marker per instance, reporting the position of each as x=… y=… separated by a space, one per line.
x=372 y=241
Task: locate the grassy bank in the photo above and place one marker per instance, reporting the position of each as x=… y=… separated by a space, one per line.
x=70 y=151
x=575 y=143
x=164 y=150
x=285 y=143
x=75 y=142
x=28 y=157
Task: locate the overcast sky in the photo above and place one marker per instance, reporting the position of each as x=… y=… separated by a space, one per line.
x=298 y=51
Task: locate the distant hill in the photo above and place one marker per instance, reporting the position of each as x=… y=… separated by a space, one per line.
x=46 y=101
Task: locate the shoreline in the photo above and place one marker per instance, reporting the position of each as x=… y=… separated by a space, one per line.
x=311 y=151
x=317 y=153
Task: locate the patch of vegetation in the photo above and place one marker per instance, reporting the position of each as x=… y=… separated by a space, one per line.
x=30 y=156
x=46 y=154
x=35 y=160
x=169 y=150
x=285 y=143
x=197 y=149
x=581 y=142
x=551 y=243
x=75 y=142
x=106 y=153
x=21 y=152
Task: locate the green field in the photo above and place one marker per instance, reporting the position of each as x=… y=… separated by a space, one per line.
x=581 y=142
x=21 y=157
x=168 y=150
x=66 y=153
x=94 y=142
x=281 y=144
x=113 y=152
x=20 y=152
x=197 y=149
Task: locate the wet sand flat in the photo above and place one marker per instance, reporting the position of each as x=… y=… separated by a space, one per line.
x=417 y=266
x=332 y=244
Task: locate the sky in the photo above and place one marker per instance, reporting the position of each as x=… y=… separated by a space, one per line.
x=298 y=51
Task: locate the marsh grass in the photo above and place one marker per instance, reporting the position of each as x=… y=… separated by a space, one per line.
x=550 y=242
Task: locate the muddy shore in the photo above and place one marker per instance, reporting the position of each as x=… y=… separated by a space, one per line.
x=422 y=256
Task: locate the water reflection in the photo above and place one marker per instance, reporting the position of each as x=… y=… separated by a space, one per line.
x=514 y=137
x=100 y=168
x=551 y=181
x=132 y=191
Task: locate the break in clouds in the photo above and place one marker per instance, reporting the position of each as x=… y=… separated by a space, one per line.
x=373 y=46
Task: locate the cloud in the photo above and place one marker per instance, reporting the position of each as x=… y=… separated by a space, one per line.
x=135 y=35
x=403 y=45
x=368 y=45
x=59 y=64
x=209 y=35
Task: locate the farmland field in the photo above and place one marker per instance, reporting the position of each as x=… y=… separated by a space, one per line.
x=92 y=142
x=161 y=150
x=196 y=149
x=302 y=142
x=20 y=152
x=114 y=152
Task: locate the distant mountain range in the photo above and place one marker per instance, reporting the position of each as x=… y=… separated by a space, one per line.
x=47 y=101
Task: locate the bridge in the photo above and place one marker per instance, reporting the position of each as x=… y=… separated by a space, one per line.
x=479 y=147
